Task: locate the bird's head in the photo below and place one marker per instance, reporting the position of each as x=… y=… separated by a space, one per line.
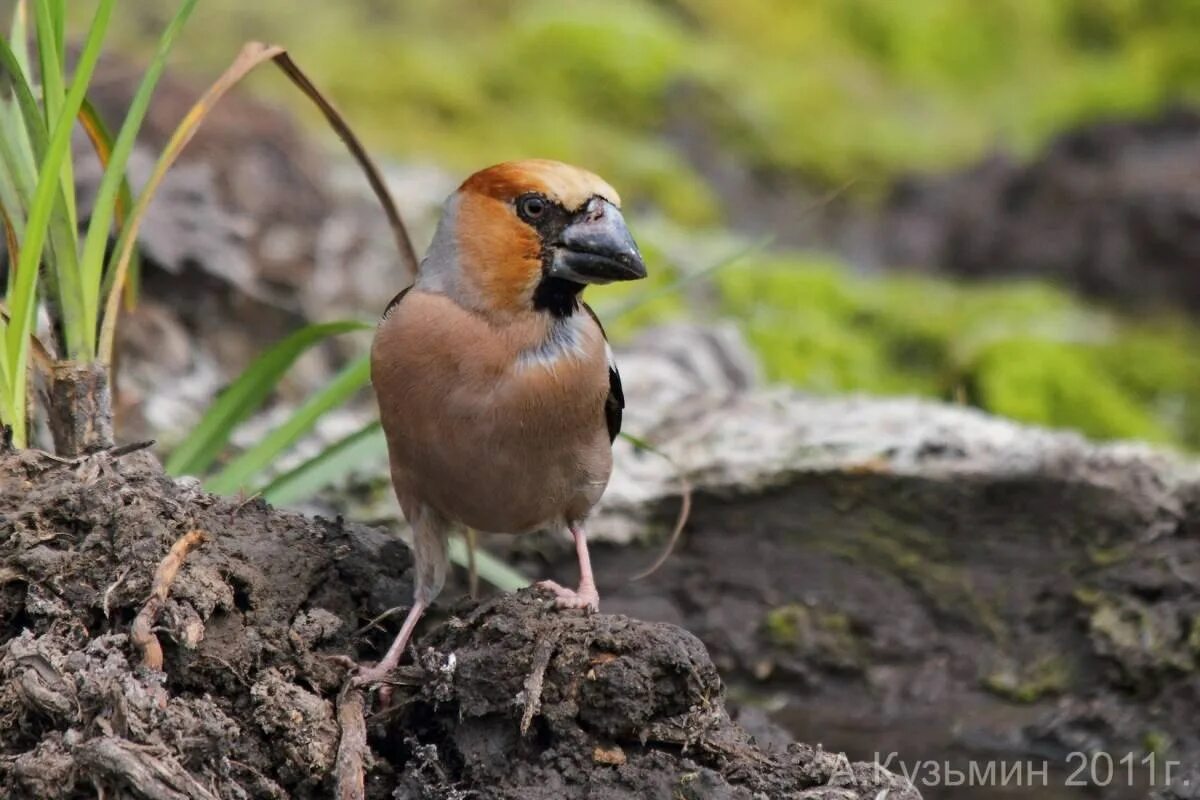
x=529 y=235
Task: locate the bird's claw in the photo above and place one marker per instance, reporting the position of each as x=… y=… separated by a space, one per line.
x=586 y=597
x=368 y=675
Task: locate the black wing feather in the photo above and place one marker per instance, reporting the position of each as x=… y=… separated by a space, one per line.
x=614 y=404
x=395 y=302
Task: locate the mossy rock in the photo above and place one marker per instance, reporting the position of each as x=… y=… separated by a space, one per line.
x=1046 y=676
x=1024 y=350
x=825 y=636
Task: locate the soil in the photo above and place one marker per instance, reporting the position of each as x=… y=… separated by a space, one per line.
x=976 y=620
x=506 y=699
x=1107 y=209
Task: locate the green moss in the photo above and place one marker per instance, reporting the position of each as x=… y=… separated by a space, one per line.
x=1026 y=351
x=1157 y=742
x=1143 y=639
x=1107 y=556
x=825 y=636
x=1193 y=639
x=1046 y=676
x=881 y=541
x=1063 y=385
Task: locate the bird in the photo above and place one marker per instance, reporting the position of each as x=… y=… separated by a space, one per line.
x=497 y=389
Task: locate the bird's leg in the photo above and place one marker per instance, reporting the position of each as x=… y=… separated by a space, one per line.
x=586 y=595
x=430 y=532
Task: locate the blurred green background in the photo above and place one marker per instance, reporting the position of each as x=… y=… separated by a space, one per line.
x=662 y=98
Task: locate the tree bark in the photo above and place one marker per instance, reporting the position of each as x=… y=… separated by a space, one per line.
x=80 y=409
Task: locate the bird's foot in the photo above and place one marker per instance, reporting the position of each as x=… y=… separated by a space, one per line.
x=369 y=675
x=586 y=597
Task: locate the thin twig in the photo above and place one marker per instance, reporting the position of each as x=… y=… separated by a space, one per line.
x=129 y=449
x=143 y=625
x=348 y=772
x=375 y=622
x=112 y=587
x=374 y=177
x=681 y=522
x=534 y=681
x=245 y=502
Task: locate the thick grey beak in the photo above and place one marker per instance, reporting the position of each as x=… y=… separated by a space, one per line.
x=596 y=247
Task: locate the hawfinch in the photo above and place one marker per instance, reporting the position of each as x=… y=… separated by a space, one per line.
x=497 y=389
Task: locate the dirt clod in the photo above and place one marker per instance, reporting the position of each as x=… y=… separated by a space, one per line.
x=255 y=632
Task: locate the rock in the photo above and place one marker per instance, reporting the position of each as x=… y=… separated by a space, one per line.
x=1109 y=209
x=1018 y=590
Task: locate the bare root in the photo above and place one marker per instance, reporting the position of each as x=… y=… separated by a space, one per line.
x=143 y=625
x=352 y=749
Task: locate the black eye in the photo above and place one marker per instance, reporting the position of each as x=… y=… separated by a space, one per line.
x=531 y=206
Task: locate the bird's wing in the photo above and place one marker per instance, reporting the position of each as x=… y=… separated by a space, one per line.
x=614 y=405
x=394 y=302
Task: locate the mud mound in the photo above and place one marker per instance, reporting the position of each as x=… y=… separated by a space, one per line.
x=1109 y=209
x=507 y=699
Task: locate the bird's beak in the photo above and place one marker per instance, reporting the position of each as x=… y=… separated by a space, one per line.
x=596 y=247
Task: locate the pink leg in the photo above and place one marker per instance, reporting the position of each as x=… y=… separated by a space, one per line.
x=429 y=556
x=586 y=595
x=395 y=652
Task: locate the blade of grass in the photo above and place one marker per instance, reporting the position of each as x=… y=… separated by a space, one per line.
x=50 y=31
x=251 y=55
x=240 y=472
x=14 y=248
x=197 y=453
x=23 y=305
x=329 y=466
x=14 y=191
x=102 y=143
x=92 y=262
x=20 y=34
x=31 y=114
x=490 y=568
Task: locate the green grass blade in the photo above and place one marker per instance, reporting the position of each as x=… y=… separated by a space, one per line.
x=243 y=470
x=92 y=262
x=102 y=143
x=58 y=13
x=22 y=129
x=245 y=395
x=490 y=568
x=51 y=41
x=23 y=304
x=365 y=445
x=31 y=114
x=15 y=190
x=20 y=35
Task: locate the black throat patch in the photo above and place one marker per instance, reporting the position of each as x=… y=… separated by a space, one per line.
x=558 y=296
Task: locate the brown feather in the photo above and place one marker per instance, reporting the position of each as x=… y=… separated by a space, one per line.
x=563 y=183
x=483 y=436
